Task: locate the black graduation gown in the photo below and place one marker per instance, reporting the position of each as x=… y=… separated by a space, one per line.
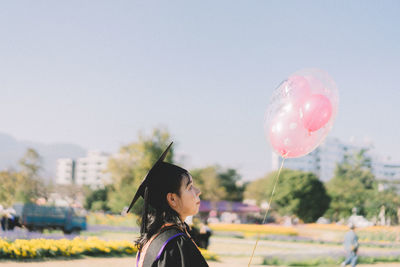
x=179 y=252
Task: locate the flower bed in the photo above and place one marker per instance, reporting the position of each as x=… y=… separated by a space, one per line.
x=209 y=256
x=50 y=248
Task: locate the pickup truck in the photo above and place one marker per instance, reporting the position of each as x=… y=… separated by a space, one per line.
x=37 y=218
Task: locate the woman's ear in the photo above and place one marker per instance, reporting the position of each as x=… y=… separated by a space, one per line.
x=171 y=199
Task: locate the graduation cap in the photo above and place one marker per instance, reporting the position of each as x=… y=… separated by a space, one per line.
x=154 y=185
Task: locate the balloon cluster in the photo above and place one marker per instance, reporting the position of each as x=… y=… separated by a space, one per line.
x=301 y=112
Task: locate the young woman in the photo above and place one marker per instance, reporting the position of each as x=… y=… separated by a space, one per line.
x=169 y=197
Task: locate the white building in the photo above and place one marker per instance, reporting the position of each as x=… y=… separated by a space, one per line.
x=388 y=173
x=387 y=170
x=65 y=173
x=89 y=170
x=323 y=160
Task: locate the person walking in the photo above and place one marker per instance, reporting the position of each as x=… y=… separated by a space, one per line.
x=350 y=244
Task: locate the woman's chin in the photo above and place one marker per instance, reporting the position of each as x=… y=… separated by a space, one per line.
x=197 y=210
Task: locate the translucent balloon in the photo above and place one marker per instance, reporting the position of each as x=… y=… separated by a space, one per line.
x=301 y=112
x=297 y=88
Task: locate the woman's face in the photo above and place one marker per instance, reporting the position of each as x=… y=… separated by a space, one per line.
x=188 y=203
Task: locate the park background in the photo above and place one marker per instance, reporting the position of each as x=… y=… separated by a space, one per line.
x=128 y=77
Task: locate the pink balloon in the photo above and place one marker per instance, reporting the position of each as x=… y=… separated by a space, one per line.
x=288 y=136
x=301 y=112
x=316 y=112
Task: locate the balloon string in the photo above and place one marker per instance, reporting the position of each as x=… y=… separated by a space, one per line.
x=266 y=213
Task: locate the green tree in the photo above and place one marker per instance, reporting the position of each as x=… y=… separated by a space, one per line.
x=207 y=180
x=32 y=185
x=23 y=185
x=352 y=185
x=297 y=193
x=258 y=189
x=132 y=164
x=31 y=163
x=10 y=185
x=230 y=179
x=218 y=184
x=97 y=200
x=389 y=199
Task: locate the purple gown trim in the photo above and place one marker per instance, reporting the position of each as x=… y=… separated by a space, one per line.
x=165 y=243
x=161 y=250
x=137 y=259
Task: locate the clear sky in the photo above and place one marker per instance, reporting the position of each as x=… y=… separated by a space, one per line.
x=94 y=73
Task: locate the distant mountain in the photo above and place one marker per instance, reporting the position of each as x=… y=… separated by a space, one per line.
x=12 y=150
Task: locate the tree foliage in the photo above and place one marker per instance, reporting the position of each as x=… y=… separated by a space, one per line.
x=230 y=179
x=258 y=189
x=132 y=164
x=10 y=186
x=389 y=199
x=352 y=185
x=32 y=186
x=297 y=193
x=25 y=184
x=97 y=200
x=218 y=184
x=206 y=179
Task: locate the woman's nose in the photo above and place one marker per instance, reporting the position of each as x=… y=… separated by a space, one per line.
x=198 y=191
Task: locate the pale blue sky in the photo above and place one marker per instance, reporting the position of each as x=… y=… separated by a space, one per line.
x=94 y=73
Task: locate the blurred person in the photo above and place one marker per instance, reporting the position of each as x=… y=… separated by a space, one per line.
x=9 y=219
x=351 y=247
x=204 y=235
x=194 y=232
x=169 y=198
x=3 y=219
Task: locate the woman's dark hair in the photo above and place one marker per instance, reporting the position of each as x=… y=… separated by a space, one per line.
x=156 y=215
